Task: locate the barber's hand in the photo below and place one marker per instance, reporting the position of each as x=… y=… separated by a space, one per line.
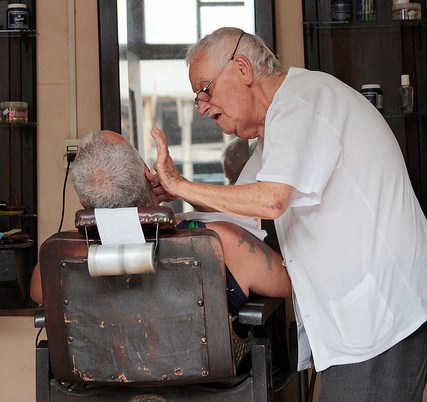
x=166 y=170
x=157 y=189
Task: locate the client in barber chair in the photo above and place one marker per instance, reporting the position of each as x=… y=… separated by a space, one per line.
x=108 y=172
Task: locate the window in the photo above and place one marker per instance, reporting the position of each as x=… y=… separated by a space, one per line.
x=152 y=38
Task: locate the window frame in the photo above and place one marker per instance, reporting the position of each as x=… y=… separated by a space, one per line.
x=109 y=52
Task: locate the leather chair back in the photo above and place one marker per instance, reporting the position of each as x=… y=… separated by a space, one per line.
x=171 y=326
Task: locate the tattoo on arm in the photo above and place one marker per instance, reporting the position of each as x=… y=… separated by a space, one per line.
x=252 y=242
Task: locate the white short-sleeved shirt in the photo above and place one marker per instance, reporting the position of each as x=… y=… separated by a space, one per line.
x=354 y=236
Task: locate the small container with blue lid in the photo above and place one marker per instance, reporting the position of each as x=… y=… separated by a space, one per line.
x=374 y=94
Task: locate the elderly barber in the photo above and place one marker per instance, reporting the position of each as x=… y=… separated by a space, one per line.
x=330 y=173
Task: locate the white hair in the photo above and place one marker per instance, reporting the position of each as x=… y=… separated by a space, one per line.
x=221 y=43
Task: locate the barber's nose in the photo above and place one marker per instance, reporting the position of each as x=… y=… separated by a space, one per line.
x=203 y=107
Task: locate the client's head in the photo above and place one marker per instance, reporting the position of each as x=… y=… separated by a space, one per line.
x=108 y=172
x=235 y=156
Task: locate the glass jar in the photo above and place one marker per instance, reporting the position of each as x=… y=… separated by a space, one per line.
x=406 y=11
x=17 y=16
x=341 y=10
x=14 y=112
x=374 y=94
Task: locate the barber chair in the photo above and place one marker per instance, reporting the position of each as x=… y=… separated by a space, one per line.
x=163 y=336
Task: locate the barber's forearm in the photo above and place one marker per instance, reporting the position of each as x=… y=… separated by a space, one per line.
x=263 y=200
x=200 y=208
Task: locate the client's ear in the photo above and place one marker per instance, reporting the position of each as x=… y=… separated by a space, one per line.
x=82 y=203
x=149 y=176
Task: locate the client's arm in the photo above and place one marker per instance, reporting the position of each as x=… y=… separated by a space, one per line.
x=36 y=285
x=254 y=265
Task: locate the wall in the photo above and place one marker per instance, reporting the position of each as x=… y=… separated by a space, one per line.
x=54 y=117
x=17 y=335
x=290 y=40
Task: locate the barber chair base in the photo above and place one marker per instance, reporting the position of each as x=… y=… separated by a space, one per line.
x=256 y=386
x=177 y=394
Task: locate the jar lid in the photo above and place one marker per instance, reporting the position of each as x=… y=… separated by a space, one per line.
x=16 y=5
x=14 y=104
x=366 y=86
x=404 y=79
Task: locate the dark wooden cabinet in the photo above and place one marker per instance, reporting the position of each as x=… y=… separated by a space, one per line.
x=18 y=163
x=380 y=51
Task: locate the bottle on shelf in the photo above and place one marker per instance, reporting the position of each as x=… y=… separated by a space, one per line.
x=406 y=95
x=366 y=10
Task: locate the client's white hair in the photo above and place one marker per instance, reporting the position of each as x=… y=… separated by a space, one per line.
x=107 y=174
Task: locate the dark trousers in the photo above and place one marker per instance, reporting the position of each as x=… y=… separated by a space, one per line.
x=397 y=375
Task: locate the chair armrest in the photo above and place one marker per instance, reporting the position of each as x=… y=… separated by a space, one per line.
x=258 y=311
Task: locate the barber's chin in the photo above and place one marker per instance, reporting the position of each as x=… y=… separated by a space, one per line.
x=226 y=130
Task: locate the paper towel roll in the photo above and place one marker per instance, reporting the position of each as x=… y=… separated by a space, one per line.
x=120 y=259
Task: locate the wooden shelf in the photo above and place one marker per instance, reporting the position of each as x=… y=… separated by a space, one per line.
x=365 y=24
x=18 y=161
x=13 y=33
x=360 y=52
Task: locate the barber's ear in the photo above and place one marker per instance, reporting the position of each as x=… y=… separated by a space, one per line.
x=245 y=68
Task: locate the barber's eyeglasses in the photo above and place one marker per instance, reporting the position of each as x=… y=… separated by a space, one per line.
x=204 y=95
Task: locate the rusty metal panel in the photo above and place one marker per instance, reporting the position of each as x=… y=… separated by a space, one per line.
x=153 y=329
x=136 y=327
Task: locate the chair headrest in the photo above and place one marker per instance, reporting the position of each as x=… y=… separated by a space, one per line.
x=148 y=216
